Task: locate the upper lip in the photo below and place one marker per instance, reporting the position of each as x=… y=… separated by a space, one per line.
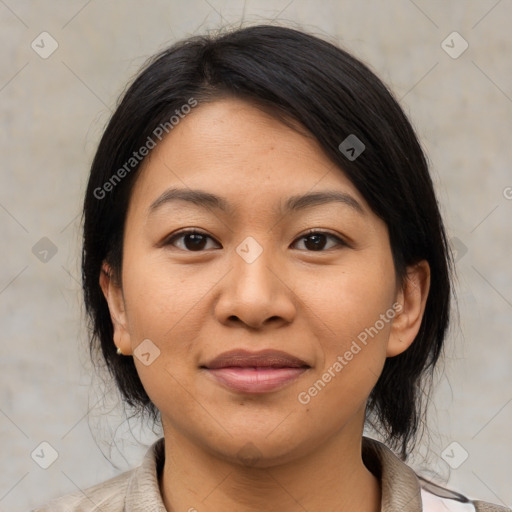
x=247 y=359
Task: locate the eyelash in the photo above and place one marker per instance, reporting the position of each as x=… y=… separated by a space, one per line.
x=189 y=231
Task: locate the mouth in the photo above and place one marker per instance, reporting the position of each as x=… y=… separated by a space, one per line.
x=255 y=372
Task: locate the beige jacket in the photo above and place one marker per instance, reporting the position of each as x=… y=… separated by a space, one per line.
x=137 y=490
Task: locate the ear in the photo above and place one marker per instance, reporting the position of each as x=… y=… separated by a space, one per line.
x=410 y=307
x=114 y=295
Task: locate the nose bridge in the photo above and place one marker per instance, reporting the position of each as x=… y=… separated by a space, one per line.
x=253 y=269
x=255 y=293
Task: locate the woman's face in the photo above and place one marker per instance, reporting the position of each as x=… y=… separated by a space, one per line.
x=252 y=279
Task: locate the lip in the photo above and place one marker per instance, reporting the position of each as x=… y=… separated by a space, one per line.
x=255 y=372
x=247 y=359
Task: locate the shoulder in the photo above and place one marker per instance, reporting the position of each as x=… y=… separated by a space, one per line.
x=483 y=506
x=403 y=489
x=435 y=498
x=136 y=489
x=108 y=496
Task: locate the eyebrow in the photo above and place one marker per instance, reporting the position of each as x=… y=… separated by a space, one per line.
x=294 y=203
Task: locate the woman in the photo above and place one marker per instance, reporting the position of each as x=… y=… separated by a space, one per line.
x=266 y=270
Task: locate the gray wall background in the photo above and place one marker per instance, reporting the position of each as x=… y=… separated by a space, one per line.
x=53 y=111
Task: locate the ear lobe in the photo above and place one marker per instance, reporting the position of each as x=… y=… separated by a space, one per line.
x=114 y=296
x=412 y=297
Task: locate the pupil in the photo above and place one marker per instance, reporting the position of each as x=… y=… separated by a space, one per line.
x=317 y=244
x=197 y=241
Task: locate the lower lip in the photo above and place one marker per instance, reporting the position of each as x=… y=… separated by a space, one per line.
x=255 y=380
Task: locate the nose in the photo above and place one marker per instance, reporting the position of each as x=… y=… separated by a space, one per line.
x=256 y=292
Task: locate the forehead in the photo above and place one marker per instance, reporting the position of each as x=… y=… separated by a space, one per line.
x=234 y=149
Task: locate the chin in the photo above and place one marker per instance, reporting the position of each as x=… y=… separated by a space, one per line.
x=258 y=451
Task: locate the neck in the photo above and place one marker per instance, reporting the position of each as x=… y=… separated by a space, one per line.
x=334 y=477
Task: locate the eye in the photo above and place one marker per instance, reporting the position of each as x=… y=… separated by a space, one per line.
x=193 y=240
x=316 y=240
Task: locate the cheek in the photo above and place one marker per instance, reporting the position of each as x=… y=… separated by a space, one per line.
x=353 y=343
x=166 y=308
x=353 y=313
x=351 y=300
x=162 y=297
x=167 y=304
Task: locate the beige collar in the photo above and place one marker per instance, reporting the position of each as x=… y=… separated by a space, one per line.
x=400 y=486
